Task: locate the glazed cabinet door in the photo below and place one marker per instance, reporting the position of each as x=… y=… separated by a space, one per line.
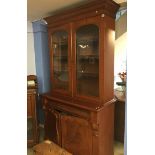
x=52 y=126
x=76 y=135
x=60 y=59
x=86 y=45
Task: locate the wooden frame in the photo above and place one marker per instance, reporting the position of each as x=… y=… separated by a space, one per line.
x=67 y=29
x=76 y=25
x=97 y=112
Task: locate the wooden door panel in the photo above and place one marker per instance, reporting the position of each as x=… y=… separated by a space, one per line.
x=52 y=126
x=76 y=135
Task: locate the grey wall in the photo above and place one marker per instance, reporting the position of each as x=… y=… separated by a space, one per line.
x=121 y=25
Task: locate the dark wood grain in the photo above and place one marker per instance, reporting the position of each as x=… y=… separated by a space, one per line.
x=76 y=135
x=83 y=124
x=32 y=110
x=93 y=8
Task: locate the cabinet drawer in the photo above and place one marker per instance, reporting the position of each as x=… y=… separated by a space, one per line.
x=67 y=109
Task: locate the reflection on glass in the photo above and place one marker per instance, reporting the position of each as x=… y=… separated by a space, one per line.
x=60 y=59
x=87 y=58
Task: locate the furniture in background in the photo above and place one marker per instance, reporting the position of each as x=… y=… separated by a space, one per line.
x=79 y=109
x=119 y=116
x=32 y=124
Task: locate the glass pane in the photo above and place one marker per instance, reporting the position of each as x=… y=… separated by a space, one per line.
x=60 y=59
x=87 y=57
